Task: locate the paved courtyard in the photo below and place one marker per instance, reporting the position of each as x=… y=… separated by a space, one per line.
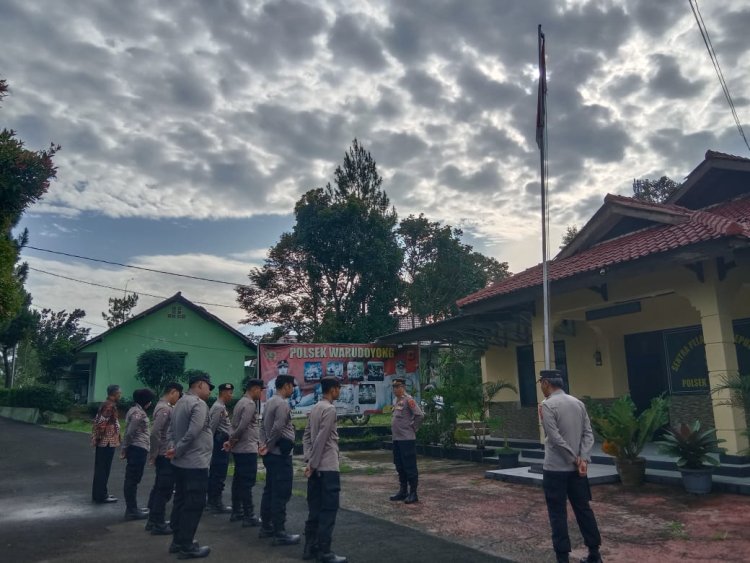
x=462 y=517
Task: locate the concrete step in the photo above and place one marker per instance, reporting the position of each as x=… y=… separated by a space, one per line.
x=603 y=474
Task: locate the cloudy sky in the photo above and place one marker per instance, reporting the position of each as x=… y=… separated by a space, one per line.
x=189 y=129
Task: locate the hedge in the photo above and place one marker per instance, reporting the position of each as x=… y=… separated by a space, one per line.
x=42 y=397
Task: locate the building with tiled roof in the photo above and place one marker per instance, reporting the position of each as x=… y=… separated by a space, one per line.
x=648 y=298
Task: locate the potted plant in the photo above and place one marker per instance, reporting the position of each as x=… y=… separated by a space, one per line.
x=625 y=434
x=507 y=457
x=692 y=448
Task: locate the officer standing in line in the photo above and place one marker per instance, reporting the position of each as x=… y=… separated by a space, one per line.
x=190 y=451
x=406 y=420
x=276 y=448
x=163 y=487
x=321 y=449
x=135 y=446
x=243 y=442
x=220 y=426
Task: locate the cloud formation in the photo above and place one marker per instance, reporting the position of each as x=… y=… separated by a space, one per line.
x=217 y=110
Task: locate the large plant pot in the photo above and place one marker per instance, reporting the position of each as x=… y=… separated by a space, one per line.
x=697 y=481
x=632 y=471
x=507 y=460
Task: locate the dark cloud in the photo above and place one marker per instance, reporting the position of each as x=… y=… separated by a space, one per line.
x=625 y=85
x=351 y=44
x=486 y=180
x=670 y=82
x=423 y=88
x=395 y=149
x=655 y=17
x=484 y=91
x=681 y=149
x=731 y=43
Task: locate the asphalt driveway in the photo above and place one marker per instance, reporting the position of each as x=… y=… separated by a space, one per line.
x=47 y=515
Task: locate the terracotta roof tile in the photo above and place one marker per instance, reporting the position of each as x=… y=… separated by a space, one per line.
x=724 y=220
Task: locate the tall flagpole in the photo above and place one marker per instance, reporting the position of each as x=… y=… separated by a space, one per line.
x=541 y=139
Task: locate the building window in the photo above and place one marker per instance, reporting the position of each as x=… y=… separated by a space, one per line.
x=527 y=376
x=176 y=312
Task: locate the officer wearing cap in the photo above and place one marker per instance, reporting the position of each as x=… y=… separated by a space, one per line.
x=164 y=475
x=567 y=452
x=220 y=426
x=277 y=443
x=243 y=442
x=191 y=443
x=406 y=420
x=321 y=450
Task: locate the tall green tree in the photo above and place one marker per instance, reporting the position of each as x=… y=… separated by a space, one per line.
x=120 y=309
x=25 y=176
x=335 y=276
x=57 y=336
x=156 y=368
x=654 y=191
x=438 y=268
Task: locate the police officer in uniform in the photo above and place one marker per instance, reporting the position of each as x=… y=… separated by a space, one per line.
x=220 y=426
x=276 y=448
x=321 y=450
x=163 y=487
x=243 y=442
x=135 y=447
x=406 y=420
x=190 y=451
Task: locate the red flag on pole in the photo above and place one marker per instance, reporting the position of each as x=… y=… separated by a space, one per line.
x=541 y=103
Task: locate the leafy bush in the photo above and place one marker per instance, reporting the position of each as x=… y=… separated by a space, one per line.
x=42 y=397
x=625 y=433
x=691 y=445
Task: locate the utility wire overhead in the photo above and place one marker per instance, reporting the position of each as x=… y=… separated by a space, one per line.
x=126 y=290
x=717 y=67
x=135 y=267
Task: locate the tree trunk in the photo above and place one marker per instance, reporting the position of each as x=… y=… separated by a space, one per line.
x=7 y=368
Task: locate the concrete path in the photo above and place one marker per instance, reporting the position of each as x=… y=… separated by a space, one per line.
x=45 y=491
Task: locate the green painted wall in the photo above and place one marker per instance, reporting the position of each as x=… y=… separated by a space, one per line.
x=208 y=346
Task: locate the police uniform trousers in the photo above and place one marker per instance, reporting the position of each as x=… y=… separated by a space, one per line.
x=559 y=488
x=162 y=490
x=277 y=491
x=217 y=475
x=189 y=502
x=136 y=462
x=405 y=460
x=102 y=467
x=245 y=472
x=323 y=489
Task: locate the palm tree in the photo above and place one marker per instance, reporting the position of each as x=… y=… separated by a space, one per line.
x=739 y=396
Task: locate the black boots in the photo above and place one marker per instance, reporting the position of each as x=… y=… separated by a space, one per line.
x=161 y=529
x=310 y=550
x=216 y=506
x=401 y=494
x=136 y=513
x=593 y=557
x=250 y=521
x=194 y=552
x=282 y=538
x=266 y=531
x=412 y=496
x=325 y=555
x=236 y=516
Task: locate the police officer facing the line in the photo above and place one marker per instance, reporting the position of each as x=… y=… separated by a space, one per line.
x=243 y=442
x=406 y=420
x=321 y=450
x=276 y=448
x=161 y=492
x=220 y=426
x=190 y=452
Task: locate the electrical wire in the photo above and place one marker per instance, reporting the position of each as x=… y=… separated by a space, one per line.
x=717 y=67
x=110 y=262
x=127 y=290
